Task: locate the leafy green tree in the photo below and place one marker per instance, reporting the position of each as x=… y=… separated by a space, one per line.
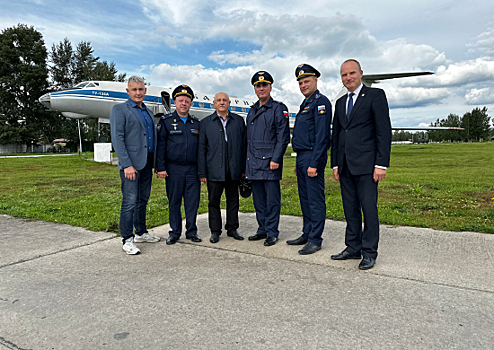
x=453 y=120
x=85 y=62
x=62 y=65
x=23 y=79
x=69 y=67
x=402 y=135
x=476 y=124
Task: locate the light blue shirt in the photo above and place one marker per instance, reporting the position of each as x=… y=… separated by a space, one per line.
x=148 y=121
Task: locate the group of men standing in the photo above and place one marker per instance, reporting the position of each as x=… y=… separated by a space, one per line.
x=223 y=149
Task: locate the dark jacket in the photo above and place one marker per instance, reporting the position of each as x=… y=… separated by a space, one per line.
x=177 y=142
x=268 y=135
x=364 y=139
x=312 y=130
x=211 y=154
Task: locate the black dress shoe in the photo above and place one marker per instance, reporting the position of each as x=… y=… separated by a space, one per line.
x=214 y=238
x=367 y=263
x=195 y=238
x=235 y=235
x=309 y=248
x=297 y=241
x=257 y=237
x=270 y=241
x=172 y=240
x=344 y=255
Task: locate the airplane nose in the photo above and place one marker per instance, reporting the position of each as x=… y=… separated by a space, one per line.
x=45 y=100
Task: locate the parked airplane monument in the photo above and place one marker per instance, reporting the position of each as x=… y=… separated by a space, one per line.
x=96 y=98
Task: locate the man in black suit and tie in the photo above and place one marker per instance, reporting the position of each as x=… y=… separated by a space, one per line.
x=361 y=147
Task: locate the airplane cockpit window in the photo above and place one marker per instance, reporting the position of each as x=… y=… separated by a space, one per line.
x=90 y=85
x=81 y=85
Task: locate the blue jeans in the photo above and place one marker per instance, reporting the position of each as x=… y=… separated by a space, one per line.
x=135 y=196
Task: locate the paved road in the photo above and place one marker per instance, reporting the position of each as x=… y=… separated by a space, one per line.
x=63 y=287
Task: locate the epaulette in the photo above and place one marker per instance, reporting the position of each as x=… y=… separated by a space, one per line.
x=167 y=116
x=280 y=103
x=194 y=117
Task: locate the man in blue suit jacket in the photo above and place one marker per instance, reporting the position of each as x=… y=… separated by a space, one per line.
x=360 y=153
x=133 y=135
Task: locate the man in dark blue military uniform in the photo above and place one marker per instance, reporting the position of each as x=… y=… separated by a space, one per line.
x=268 y=135
x=176 y=160
x=311 y=141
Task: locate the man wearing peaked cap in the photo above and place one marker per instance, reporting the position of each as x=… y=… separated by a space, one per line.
x=176 y=161
x=360 y=154
x=268 y=135
x=262 y=77
x=305 y=70
x=183 y=90
x=311 y=141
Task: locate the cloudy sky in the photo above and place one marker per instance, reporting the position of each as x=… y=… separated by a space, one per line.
x=218 y=45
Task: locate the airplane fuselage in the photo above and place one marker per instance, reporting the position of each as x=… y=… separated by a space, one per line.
x=97 y=98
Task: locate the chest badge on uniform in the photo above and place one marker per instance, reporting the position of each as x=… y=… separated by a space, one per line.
x=321 y=109
x=174 y=126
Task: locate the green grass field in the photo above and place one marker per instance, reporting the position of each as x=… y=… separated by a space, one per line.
x=442 y=186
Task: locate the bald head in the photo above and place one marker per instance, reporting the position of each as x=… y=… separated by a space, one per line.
x=221 y=103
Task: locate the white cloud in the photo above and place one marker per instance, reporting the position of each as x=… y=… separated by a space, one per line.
x=398 y=54
x=457 y=74
x=482 y=96
x=409 y=97
x=484 y=42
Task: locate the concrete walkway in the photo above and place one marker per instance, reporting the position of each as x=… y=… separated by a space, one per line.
x=63 y=287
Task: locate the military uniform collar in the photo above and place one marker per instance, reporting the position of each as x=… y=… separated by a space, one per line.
x=268 y=104
x=314 y=95
x=175 y=114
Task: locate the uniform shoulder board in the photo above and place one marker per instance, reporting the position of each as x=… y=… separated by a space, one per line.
x=281 y=104
x=167 y=116
x=194 y=117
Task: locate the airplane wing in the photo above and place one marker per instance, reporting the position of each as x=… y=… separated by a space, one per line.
x=427 y=128
x=369 y=79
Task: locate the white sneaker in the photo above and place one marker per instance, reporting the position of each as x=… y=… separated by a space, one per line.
x=146 y=237
x=130 y=247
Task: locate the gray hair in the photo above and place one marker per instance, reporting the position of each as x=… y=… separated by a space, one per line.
x=136 y=79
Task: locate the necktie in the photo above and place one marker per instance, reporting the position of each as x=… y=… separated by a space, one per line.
x=350 y=105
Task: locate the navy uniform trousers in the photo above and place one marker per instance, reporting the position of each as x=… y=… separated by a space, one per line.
x=266 y=195
x=359 y=194
x=183 y=182
x=312 y=199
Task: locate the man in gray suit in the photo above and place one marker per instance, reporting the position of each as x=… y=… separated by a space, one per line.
x=133 y=135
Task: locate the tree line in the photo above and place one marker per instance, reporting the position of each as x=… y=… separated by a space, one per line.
x=28 y=71
x=476 y=125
